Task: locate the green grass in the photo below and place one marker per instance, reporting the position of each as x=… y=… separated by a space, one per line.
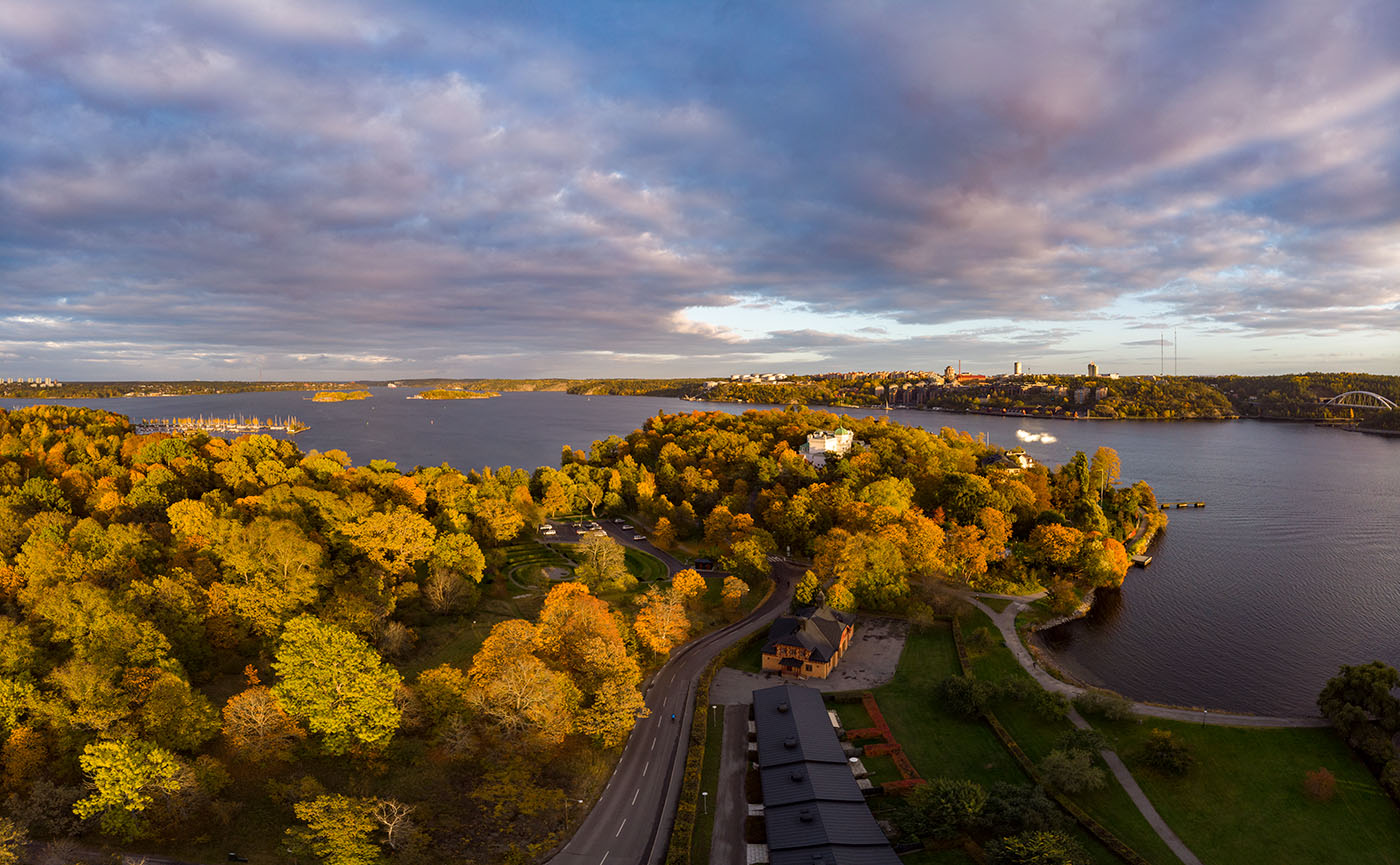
x=853 y=715
x=1038 y=736
x=939 y=743
x=644 y=567
x=997 y=604
x=1243 y=801
x=709 y=782
x=881 y=769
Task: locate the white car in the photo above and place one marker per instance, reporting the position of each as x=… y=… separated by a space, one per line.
x=639 y=537
x=626 y=528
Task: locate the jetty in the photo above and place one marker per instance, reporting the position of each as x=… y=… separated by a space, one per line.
x=237 y=425
x=1141 y=561
x=1166 y=506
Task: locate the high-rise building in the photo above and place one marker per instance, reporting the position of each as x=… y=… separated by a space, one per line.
x=1093 y=369
x=1016 y=368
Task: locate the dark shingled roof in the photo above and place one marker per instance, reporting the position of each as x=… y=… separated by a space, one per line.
x=813 y=824
x=800 y=782
x=832 y=855
x=793 y=727
x=816 y=629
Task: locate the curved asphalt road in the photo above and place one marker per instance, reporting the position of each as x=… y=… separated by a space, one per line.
x=631 y=823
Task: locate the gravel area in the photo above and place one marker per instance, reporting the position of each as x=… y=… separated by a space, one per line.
x=870 y=661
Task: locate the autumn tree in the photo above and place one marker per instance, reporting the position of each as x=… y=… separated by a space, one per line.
x=257 y=727
x=13 y=840
x=664 y=534
x=338 y=683
x=338 y=830
x=662 y=623
x=126 y=777
x=603 y=565
x=689 y=585
x=733 y=593
x=578 y=635
x=806 y=590
x=512 y=687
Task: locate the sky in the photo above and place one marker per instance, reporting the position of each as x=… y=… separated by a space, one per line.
x=301 y=189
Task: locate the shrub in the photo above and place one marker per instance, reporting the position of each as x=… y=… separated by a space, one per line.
x=1111 y=707
x=1083 y=740
x=1072 y=771
x=945 y=806
x=1036 y=848
x=964 y=695
x=1166 y=753
x=1050 y=705
x=1320 y=785
x=982 y=638
x=1012 y=809
x=1017 y=688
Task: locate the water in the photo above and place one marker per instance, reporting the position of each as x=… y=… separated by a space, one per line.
x=1292 y=569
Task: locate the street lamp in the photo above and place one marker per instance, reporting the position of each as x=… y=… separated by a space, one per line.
x=704 y=802
x=567 y=800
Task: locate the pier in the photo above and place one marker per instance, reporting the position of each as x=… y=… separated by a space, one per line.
x=1141 y=561
x=239 y=425
x=1166 y=506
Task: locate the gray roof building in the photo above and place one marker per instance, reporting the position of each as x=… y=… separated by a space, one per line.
x=817 y=629
x=814 y=812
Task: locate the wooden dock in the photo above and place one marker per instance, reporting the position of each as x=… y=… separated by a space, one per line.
x=1141 y=561
x=1166 y=506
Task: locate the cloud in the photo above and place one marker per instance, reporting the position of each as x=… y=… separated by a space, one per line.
x=428 y=188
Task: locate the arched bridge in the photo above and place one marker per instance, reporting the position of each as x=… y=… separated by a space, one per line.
x=1360 y=399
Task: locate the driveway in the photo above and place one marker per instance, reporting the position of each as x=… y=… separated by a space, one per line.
x=870 y=661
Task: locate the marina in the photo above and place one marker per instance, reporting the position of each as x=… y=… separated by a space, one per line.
x=237 y=425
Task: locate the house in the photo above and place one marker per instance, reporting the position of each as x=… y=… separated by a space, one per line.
x=821 y=443
x=809 y=642
x=1014 y=461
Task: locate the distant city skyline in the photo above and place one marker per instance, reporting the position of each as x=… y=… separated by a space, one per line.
x=337 y=190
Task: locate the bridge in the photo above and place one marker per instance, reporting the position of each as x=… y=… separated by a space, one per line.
x=1360 y=399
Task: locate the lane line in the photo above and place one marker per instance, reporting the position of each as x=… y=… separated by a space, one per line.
x=619 y=828
x=605 y=857
x=645 y=768
x=635 y=795
x=653 y=745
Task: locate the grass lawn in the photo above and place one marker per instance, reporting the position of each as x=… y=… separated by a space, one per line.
x=1038 y=736
x=881 y=769
x=1243 y=801
x=853 y=715
x=709 y=783
x=939 y=743
x=644 y=567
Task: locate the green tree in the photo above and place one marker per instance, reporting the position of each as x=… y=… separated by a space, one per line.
x=603 y=565
x=1072 y=771
x=338 y=830
x=338 y=683
x=806 y=589
x=127 y=776
x=1036 y=848
x=946 y=806
x=1165 y=752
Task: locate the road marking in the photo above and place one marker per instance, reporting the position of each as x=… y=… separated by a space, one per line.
x=605 y=857
x=645 y=768
x=653 y=745
x=639 y=792
x=619 y=828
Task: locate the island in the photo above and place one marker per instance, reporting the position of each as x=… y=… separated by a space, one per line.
x=340 y=395
x=444 y=393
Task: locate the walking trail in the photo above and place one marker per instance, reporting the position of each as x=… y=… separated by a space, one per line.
x=1006 y=624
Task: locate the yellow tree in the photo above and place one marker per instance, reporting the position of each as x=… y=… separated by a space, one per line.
x=689 y=585
x=664 y=535
x=733 y=592
x=662 y=622
x=258 y=728
x=1057 y=545
x=578 y=635
x=515 y=690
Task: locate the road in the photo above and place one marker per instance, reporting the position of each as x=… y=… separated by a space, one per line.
x=631 y=823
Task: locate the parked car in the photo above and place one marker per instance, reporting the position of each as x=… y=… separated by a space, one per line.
x=639 y=537
x=626 y=527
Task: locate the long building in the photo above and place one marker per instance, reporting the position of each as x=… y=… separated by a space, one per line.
x=814 y=811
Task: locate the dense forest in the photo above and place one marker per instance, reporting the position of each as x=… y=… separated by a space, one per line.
x=904 y=511
x=204 y=639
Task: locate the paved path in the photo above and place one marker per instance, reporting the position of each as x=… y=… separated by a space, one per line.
x=631 y=822
x=727 y=845
x=1006 y=623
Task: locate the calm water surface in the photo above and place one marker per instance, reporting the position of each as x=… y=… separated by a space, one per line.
x=1292 y=569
